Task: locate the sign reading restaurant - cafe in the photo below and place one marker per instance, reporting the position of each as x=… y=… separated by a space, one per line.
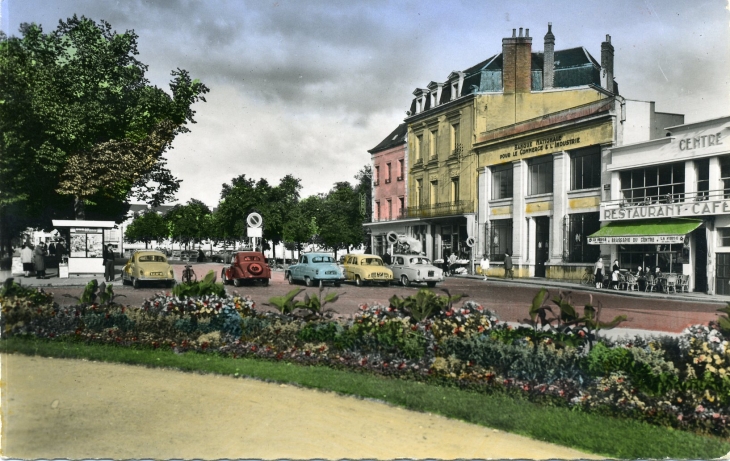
x=612 y=212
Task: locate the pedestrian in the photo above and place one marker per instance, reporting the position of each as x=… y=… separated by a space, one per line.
x=508 y=265
x=201 y=255
x=484 y=265
x=598 y=273
x=39 y=259
x=614 y=278
x=615 y=266
x=386 y=258
x=452 y=263
x=52 y=248
x=60 y=249
x=26 y=257
x=108 y=260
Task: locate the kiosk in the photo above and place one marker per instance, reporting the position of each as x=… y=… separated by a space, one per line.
x=86 y=245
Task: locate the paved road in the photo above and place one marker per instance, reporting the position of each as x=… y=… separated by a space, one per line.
x=510 y=300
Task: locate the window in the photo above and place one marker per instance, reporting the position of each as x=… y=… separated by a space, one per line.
x=390 y=209
x=725 y=175
x=500 y=239
x=419 y=191
x=724 y=237
x=433 y=196
x=502 y=181
x=585 y=168
x=400 y=169
x=454 y=189
x=401 y=207
x=455 y=89
x=432 y=144
x=419 y=146
x=455 y=137
x=387 y=173
x=658 y=184
x=434 y=99
x=377 y=210
x=376 y=176
x=703 y=178
x=580 y=226
x=541 y=175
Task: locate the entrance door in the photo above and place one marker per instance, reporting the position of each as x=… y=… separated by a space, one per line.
x=701 y=261
x=723 y=274
x=542 y=243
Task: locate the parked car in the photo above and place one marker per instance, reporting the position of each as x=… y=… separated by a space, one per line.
x=148 y=266
x=365 y=268
x=414 y=268
x=246 y=266
x=189 y=255
x=315 y=268
x=224 y=256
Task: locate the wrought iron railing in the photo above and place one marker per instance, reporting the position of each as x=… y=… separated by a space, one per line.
x=458 y=149
x=441 y=209
x=661 y=199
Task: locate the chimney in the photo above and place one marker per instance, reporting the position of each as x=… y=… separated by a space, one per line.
x=607 y=64
x=548 y=71
x=517 y=63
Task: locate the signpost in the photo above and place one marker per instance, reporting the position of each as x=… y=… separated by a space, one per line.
x=255 y=231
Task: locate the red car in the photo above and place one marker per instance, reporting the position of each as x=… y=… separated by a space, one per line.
x=246 y=265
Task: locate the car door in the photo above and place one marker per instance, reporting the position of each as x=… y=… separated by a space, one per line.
x=397 y=266
x=349 y=262
x=298 y=269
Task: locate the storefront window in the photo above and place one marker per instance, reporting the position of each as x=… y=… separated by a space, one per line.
x=585 y=168
x=703 y=178
x=724 y=237
x=541 y=175
x=580 y=226
x=502 y=181
x=500 y=239
x=669 y=258
x=659 y=184
x=86 y=243
x=725 y=174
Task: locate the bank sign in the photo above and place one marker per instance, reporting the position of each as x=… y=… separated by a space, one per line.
x=666 y=210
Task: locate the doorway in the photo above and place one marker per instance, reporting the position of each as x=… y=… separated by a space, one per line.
x=542 y=244
x=701 y=261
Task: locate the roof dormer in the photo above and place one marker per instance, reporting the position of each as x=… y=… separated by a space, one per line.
x=434 y=89
x=420 y=94
x=455 y=81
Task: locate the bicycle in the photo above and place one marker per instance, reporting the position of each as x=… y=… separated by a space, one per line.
x=589 y=278
x=188 y=275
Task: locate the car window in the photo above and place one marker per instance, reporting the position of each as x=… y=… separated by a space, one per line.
x=151 y=258
x=399 y=260
x=304 y=260
x=351 y=260
x=323 y=259
x=372 y=262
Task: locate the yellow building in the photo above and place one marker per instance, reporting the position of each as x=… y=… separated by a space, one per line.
x=506 y=156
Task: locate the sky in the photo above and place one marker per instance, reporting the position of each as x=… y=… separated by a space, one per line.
x=307 y=87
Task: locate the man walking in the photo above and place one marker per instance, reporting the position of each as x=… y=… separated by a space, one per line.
x=508 y=266
x=484 y=266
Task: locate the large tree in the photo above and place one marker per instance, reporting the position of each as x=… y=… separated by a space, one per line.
x=147 y=227
x=83 y=131
x=189 y=223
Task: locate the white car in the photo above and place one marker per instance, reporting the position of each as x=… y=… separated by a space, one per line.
x=415 y=269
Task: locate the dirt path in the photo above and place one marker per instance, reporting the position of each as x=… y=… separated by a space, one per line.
x=77 y=409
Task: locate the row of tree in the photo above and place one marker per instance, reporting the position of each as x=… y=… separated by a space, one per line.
x=332 y=220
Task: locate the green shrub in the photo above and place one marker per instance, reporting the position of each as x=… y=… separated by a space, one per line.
x=205 y=287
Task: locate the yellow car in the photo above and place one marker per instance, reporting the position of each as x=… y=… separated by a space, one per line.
x=148 y=266
x=366 y=269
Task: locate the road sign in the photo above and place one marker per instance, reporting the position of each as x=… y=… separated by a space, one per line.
x=254 y=220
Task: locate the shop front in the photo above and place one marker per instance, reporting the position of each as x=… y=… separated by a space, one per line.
x=86 y=244
x=669 y=204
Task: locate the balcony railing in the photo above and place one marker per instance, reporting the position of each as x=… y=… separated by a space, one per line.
x=440 y=209
x=666 y=199
x=402 y=214
x=458 y=149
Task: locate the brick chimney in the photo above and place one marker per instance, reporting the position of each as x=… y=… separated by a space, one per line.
x=607 y=64
x=548 y=71
x=517 y=62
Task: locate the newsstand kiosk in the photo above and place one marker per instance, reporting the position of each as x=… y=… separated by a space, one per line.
x=86 y=245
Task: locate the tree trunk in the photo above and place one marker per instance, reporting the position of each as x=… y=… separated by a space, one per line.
x=79 y=208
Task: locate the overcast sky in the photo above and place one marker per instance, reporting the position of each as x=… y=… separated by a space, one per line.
x=307 y=87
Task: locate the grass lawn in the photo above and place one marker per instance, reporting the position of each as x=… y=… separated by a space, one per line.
x=605 y=436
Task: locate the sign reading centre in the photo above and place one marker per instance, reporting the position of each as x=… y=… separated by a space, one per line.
x=671 y=210
x=631 y=240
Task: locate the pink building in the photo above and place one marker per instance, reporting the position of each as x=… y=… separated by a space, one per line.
x=389 y=188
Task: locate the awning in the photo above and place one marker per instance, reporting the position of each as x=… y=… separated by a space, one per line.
x=654 y=231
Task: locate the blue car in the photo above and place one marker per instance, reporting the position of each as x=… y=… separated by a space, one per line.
x=315 y=268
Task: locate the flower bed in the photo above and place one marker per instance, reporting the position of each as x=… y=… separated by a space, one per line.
x=679 y=382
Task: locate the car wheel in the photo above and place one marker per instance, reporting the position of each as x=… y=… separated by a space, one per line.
x=290 y=278
x=404 y=280
x=265 y=282
x=308 y=282
x=431 y=284
x=125 y=281
x=136 y=283
x=358 y=281
x=237 y=282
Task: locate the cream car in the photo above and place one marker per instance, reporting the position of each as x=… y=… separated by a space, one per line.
x=148 y=266
x=364 y=268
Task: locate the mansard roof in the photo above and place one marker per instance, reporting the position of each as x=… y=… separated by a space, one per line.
x=395 y=138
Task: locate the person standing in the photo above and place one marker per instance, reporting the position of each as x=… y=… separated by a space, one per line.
x=598 y=273
x=39 y=259
x=484 y=265
x=452 y=263
x=26 y=257
x=108 y=259
x=508 y=270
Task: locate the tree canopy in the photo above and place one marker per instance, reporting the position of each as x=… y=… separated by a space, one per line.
x=147 y=227
x=81 y=125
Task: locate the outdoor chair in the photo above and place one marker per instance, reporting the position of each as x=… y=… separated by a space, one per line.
x=622 y=281
x=671 y=283
x=650 y=283
x=684 y=283
x=631 y=283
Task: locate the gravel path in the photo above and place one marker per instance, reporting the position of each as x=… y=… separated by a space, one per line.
x=78 y=409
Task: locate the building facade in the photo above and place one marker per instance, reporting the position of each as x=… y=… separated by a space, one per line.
x=669 y=204
x=508 y=156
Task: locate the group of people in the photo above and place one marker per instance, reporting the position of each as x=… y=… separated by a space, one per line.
x=34 y=259
x=641 y=274
x=508 y=267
